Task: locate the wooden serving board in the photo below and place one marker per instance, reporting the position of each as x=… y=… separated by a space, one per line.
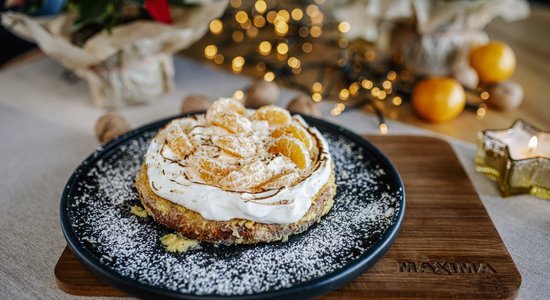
x=448 y=246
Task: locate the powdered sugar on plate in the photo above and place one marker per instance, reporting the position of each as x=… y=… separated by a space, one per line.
x=367 y=204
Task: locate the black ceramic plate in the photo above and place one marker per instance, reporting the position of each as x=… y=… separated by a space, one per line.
x=125 y=251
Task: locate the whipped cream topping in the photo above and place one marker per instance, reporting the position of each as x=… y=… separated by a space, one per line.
x=179 y=182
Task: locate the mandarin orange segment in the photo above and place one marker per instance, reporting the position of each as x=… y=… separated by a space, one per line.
x=232 y=122
x=237 y=146
x=274 y=115
x=294 y=131
x=226 y=105
x=284 y=179
x=293 y=149
x=248 y=176
x=211 y=170
x=179 y=142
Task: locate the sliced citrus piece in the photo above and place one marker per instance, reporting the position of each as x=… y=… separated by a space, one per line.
x=237 y=146
x=274 y=115
x=248 y=176
x=210 y=170
x=232 y=122
x=179 y=142
x=293 y=149
x=225 y=105
x=294 y=131
x=284 y=179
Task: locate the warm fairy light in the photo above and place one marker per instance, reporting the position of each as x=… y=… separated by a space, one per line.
x=307 y=47
x=344 y=26
x=283 y=15
x=312 y=9
x=391 y=75
x=337 y=109
x=343 y=43
x=382 y=95
x=239 y=95
x=315 y=31
x=237 y=36
x=317 y=97
x=386 y=84
x=344 y=94
x=484 y=95
x=367 y=84
x=281 y=28
x=237 y=63
x=396 y=101
x=342 y=62
x=260 y=6
x=293 y=62
x=370 y=55
x=236 y=3
x=383 y=128
x=241 y=17
x=282 y=48
x=303 y=31
x=354 y=88
x=297 y=70
x=317 y=87
x=259 y=21
x=375 y=91
x=219 y=59
x=533 y=142
x=269 y=76
x=481 y=112
x=264 y=48
x=252 y=31
x=317 y=18
x=210 y=51
x=216 y=26
x=246 y=24
x=297 y=14
x=271 y=16
x=319 y=1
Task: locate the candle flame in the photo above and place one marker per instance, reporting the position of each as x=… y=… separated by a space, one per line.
x=532 y=145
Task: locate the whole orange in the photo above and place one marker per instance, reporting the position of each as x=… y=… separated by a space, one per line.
x=438 y=99
x=493 y=62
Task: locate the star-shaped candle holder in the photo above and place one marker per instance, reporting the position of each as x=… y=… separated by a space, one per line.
x=517 y=158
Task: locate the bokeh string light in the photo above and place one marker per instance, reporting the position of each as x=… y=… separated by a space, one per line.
x=278 y=39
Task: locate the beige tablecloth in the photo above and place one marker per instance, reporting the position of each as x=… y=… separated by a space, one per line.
x=46 y=130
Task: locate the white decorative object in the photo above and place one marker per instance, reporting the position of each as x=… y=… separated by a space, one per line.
x=133 y=63
x=431 y=37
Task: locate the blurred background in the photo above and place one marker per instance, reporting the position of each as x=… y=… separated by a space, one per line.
x=487 y=59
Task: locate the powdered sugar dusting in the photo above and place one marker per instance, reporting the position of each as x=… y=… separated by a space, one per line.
x=365 y=207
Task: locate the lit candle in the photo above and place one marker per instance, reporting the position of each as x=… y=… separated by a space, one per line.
x=518 y=159
x=521 y=141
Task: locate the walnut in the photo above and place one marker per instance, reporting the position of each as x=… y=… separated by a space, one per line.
x=262 y=93
x=466 y=75
x=505 y=95
x=109 y=126
x=195 y=102
x=304 y=105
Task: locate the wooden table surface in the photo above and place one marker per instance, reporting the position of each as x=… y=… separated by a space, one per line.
x=528 y=38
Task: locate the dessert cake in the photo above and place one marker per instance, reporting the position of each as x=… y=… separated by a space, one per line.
x=236 y=175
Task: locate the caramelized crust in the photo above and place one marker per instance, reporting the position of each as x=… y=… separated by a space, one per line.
x=236 y=231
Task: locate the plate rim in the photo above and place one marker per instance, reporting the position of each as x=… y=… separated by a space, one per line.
x=315 y=287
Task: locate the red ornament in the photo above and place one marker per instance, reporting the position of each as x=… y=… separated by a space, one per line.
x=159 y=10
